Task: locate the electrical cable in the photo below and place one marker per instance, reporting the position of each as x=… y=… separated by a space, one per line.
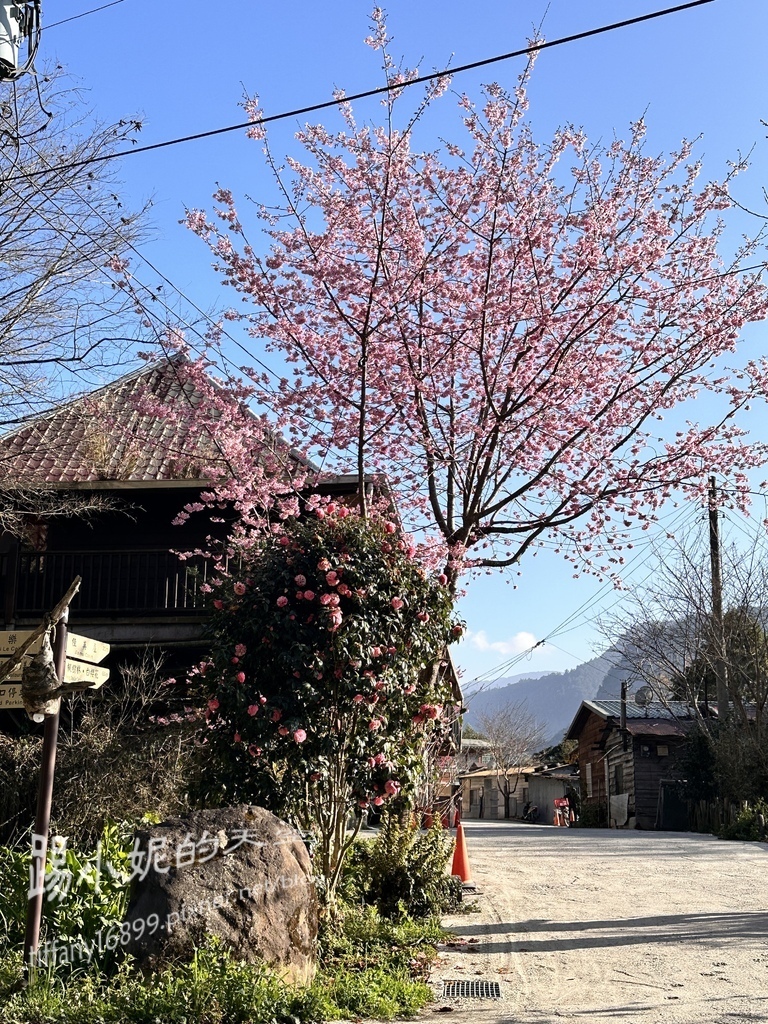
x=390 y=87
x=83 y=14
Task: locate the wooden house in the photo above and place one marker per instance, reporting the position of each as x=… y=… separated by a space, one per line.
x=628 y=776
x=135 y=593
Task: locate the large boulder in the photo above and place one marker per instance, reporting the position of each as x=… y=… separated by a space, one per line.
x=238 y=873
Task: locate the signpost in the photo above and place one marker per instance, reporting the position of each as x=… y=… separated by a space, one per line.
x=25 y=657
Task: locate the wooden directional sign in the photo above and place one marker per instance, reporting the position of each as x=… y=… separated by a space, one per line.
x=81 y=647
x=75 y=672
x=10 y=695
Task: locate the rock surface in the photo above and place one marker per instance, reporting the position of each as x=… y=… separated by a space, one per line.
x=238 y=873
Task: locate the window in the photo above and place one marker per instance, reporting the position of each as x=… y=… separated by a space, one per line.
x=618 y=779
x=589 y=779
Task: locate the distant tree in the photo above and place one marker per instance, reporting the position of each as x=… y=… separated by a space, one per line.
x=513 y=734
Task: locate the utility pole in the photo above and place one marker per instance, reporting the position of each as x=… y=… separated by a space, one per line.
x=718 y=631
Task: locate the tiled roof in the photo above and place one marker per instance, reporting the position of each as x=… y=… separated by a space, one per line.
x=106 y=436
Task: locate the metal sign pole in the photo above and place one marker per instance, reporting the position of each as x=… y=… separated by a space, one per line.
x=44 y=801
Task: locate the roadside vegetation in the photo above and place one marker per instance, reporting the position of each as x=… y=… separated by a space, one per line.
x=374 y=955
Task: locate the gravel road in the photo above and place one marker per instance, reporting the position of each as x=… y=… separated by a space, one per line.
x=597 y=925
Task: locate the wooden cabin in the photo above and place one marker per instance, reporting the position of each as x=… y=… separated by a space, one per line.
x=628 y=777
x=136 y=593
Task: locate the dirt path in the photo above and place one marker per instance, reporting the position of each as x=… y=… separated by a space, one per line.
x=637 y=927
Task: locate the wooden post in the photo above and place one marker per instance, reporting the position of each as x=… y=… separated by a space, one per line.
x=718 y=631
x=44 y=801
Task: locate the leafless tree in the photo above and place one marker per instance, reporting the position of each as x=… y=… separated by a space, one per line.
x=664 y=632
x=64 y=321
x=61 y=316
x=513 y=734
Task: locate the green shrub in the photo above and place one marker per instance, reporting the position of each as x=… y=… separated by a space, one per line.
x=593 y=816
x=750 y=824
x=403 y=871
x=96 y=884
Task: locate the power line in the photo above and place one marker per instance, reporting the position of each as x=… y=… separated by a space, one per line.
x=84 y=14
x=384 y=89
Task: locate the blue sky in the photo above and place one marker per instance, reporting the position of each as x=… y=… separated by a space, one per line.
x=182 y=66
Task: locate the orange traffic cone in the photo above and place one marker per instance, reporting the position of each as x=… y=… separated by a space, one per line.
x=460 y=860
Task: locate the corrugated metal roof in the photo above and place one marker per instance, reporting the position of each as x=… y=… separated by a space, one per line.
x=672 y=709
x=653 y=727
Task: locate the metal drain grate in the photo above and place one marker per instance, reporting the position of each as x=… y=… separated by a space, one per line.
x=471 y=990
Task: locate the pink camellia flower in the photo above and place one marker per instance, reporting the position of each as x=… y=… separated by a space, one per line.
x=332 y=579
x=386 y=547
x=375 y=652
x=282 y=601
x=316 y=776
x=423 y=616
x=254 y=751
x=309 y=595
x=240 y=650
x=358 y=698
x=240 y=677
x=343 y=512
x=300 y=580
x=262 y=700
x=277 y=714
x=218 y=604
x=457 y=630
x=374 y=724
x=239 y=589
x=371 y=762
x=344 y=590
x=390 y=528
x=300 y=735
x=235 y=661
x=397 y=603
x=213 y=704
x=442 y=579
x=253 y=709
x=334 y=600
x=392 y=787
x=325 y=599
x=362 y=803
x=284 y=542
x=323 y=565
x=380 y=758
x=237 y=737
x=283 y=731
x=378 y=801
x=418 y=719
x=299 y=595
x=380 y=685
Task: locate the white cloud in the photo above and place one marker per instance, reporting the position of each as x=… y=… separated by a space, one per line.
x=520 y=642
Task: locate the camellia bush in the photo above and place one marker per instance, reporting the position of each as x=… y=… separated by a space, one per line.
x=327 y=673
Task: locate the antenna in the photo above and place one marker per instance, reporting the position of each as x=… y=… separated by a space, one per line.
x=19 y=23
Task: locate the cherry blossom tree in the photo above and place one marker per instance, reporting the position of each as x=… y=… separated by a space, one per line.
x=499 y=324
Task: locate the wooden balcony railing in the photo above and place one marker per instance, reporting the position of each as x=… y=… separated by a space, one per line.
x=115 y=583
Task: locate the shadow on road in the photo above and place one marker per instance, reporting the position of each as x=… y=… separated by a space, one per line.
x=618 y=932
